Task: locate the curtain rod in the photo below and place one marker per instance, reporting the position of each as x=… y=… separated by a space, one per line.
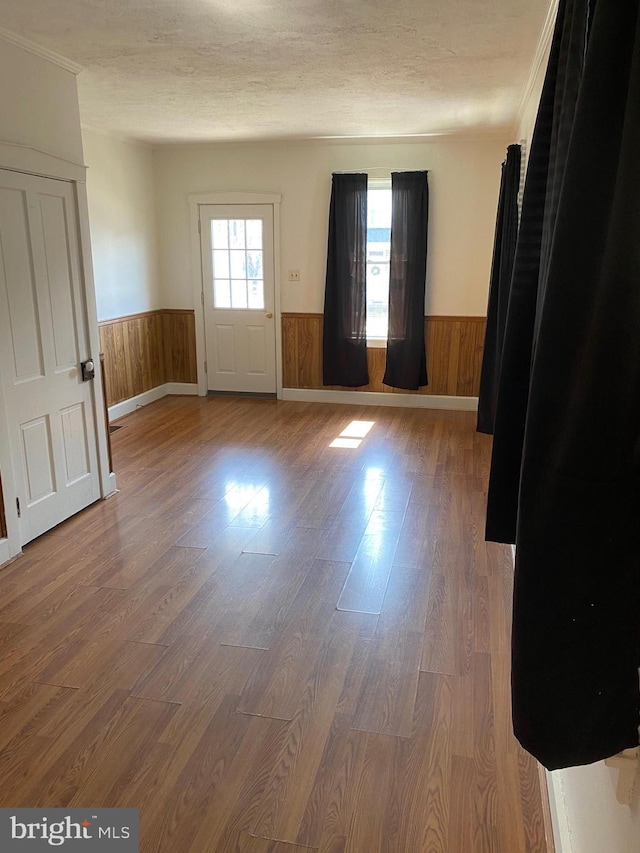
x=377 y=171
x=385 y=170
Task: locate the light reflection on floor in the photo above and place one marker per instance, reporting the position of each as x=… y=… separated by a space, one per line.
x=371 y=487
x=352 y=435
x=251 y=499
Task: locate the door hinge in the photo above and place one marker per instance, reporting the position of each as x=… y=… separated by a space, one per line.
x=202 y=296
x=199 y=227
x=205 y=367
x=18 y=506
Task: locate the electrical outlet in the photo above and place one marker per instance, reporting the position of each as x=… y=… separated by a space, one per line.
x=294 y=275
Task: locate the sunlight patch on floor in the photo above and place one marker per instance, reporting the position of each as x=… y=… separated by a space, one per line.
x=352 y=435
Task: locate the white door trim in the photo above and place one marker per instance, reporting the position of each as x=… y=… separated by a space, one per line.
x=106 y=477
x=10 y=546
x=16 y=157
x=233 y=197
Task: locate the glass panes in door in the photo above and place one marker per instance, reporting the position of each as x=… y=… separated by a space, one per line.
x=237 y=255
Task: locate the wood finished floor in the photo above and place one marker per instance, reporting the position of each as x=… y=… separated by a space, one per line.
x=271 y=645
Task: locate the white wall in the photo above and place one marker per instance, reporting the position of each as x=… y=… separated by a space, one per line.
x=464 y=179
x=38 y=104
x=122 y=216
x=531 y=96
x=529 y=108
x=590 y=819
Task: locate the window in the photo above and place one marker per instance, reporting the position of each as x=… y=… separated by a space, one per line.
x=238 y=280
x=371 y=227
x=378 y=256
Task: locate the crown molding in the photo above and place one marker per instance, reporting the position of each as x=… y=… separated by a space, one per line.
x=540 y=56
x=38 y=50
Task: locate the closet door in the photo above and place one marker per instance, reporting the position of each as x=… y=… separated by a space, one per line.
x=43 y=341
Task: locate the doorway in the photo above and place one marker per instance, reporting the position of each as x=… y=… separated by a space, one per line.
x=238 y=297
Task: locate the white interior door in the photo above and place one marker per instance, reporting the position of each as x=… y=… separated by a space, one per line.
x=43 y=340
x=238 y=279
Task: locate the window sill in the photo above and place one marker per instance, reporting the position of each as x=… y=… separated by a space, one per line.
x=376 y=343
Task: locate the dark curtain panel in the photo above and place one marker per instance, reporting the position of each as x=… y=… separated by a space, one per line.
x=344 y=338
x=406 y=365
x=565 y=475
x=545 y=172
x=504 y=250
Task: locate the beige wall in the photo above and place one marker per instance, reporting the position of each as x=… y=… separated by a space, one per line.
x=529 y=109
x=464 y=182
x=531 y=97
x=122 y=216
x=38 y=104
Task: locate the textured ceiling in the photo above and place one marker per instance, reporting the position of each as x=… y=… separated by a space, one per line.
x=179 y=70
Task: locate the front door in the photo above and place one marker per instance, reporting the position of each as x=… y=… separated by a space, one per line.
x=43 y=340
x=238 y=278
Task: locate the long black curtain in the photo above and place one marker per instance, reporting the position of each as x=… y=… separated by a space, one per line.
x=406 y=365
x=344 y=337
x=504 y=250
x=565 y=472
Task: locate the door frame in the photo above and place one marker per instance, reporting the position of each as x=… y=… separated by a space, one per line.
x=231 y=197
x=32 y=161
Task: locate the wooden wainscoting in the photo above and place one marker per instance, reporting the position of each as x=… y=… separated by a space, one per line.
x=179 y=337
x=142 y=351
x=454 y=355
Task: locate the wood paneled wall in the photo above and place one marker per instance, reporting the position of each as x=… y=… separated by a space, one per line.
x=179 y=350
x=454 y=355
x=145 y=350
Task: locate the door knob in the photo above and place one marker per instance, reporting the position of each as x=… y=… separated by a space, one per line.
x=269 y=315
x=88 y=370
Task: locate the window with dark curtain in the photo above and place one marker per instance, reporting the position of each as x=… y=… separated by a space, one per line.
x=504 y=250
x=344 y=337
x=406 y=365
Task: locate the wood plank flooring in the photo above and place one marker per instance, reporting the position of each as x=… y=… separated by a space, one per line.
x=271 y=645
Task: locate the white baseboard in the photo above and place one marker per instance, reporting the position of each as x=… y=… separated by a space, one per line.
x=182 y=388
x=5 y=552
x=112 y=488
x=309 y=395
x=377 y=398
x=119 y=410
x=559 y=817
